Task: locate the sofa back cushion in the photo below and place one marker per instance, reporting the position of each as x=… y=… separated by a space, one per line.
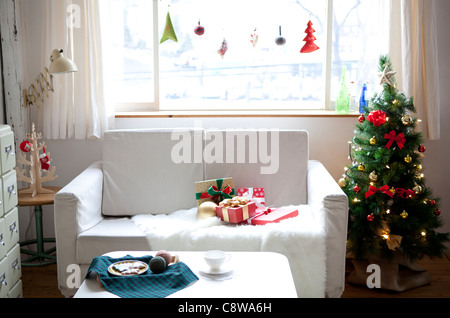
x=276 y=160
x=145 y=171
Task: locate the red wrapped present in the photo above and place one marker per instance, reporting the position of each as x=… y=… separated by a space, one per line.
x=235 y=210
x=254 y=194
x=273 y=216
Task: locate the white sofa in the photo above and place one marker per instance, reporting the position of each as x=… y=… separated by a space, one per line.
x=151 y=172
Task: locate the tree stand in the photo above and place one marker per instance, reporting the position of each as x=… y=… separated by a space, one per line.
x=397 y=274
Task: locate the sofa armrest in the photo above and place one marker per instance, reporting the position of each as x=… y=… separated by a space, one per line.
x=77 y=208
x=325 y=195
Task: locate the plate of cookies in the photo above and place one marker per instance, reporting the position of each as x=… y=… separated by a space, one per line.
x=128 y=268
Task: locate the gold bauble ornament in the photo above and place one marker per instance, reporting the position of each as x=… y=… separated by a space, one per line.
x=407 y=120
x=404 y=214
x=417 y=189
x=408 y=159
x=206 y=210
x=361 y=168
x=342 y=182
x=373 y=176
x=373 y=140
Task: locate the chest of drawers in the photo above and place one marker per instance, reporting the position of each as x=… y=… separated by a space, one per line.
x=10 y=267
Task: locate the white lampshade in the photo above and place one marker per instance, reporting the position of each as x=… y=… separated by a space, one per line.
x=60 y=64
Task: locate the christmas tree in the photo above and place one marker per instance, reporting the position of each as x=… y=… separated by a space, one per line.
x=309 y=46
x=390 y=207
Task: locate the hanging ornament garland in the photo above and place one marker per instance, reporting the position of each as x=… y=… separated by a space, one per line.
x=169 y=32
x=254 y=38
x=280 y=40
x=223 y=48
x=309 y=46
x=199 y=29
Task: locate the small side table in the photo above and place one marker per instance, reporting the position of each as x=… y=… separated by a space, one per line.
x=40 y=257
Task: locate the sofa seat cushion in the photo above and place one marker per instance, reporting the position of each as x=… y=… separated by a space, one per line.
x=110 y=234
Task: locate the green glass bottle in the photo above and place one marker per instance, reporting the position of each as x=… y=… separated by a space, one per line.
x=342 y=102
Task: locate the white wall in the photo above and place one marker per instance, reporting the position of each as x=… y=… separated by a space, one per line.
x=328 y=136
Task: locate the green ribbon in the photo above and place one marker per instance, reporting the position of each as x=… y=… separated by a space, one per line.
x=226 y=193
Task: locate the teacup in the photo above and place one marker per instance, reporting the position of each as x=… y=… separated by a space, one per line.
x=215 y=259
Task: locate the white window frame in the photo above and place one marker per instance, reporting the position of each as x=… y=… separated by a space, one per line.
x=155 y=106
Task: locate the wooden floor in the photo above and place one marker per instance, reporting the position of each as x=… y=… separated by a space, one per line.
x=41 y=282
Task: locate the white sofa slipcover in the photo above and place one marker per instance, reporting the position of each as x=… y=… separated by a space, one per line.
x=153 y=171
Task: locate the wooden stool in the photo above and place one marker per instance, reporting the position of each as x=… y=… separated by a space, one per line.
x=40 y=257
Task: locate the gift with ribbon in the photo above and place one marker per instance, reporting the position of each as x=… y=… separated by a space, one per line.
x=399 y=139
x=214 y=190
x=273 y=215
x=254 y=194
x=236 y=209
x=384 y=189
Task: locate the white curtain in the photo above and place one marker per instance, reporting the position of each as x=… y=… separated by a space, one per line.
x=413 y=51
x=78 y=108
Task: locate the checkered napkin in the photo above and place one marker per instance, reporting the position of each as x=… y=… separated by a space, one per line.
x=147 y=285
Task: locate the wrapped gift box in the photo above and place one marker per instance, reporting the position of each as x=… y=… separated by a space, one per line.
x=254 y=194
x=214 y=190
x=273 y=216
x=236 y=214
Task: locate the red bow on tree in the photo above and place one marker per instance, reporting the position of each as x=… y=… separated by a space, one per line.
x=377 y=117
x=384 y=189
x=404 y=193
x=400 y=139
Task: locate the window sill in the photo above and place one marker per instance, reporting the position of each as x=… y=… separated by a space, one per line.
x=235 y=113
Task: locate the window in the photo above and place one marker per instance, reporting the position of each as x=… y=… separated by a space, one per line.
x=190 y=74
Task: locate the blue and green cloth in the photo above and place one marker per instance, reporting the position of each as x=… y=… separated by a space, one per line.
x=147 y=285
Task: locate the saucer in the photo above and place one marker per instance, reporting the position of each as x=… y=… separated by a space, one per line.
x=222 y=271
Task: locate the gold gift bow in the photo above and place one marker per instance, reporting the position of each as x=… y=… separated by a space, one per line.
x=226 y=216
x=392 y=240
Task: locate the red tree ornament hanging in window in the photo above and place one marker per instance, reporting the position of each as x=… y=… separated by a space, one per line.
x=309 y=46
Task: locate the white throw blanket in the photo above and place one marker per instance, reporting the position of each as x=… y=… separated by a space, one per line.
x=300 y=239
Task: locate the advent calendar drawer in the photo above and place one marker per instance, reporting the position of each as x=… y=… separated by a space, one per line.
x=4 y=288
x=14 y=269
x=1 y=200
x=16 y=291
x=11 y=236
x=10 y=198
x=10 y=271
x=3 y=249
x=7 y=157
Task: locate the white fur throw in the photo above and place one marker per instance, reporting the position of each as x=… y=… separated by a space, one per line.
x=300 y=239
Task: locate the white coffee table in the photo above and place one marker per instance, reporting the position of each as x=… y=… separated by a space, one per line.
x=250 y=275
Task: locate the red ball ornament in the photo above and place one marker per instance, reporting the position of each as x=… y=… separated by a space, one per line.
x=25 y=146
x=432 y=202
x=199 y=30
x=370 y=218
x=437 y=212
x=361 y=118
x=421 y=148
x=357 y=188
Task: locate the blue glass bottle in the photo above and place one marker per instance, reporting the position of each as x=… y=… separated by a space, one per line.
x=363 y=101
